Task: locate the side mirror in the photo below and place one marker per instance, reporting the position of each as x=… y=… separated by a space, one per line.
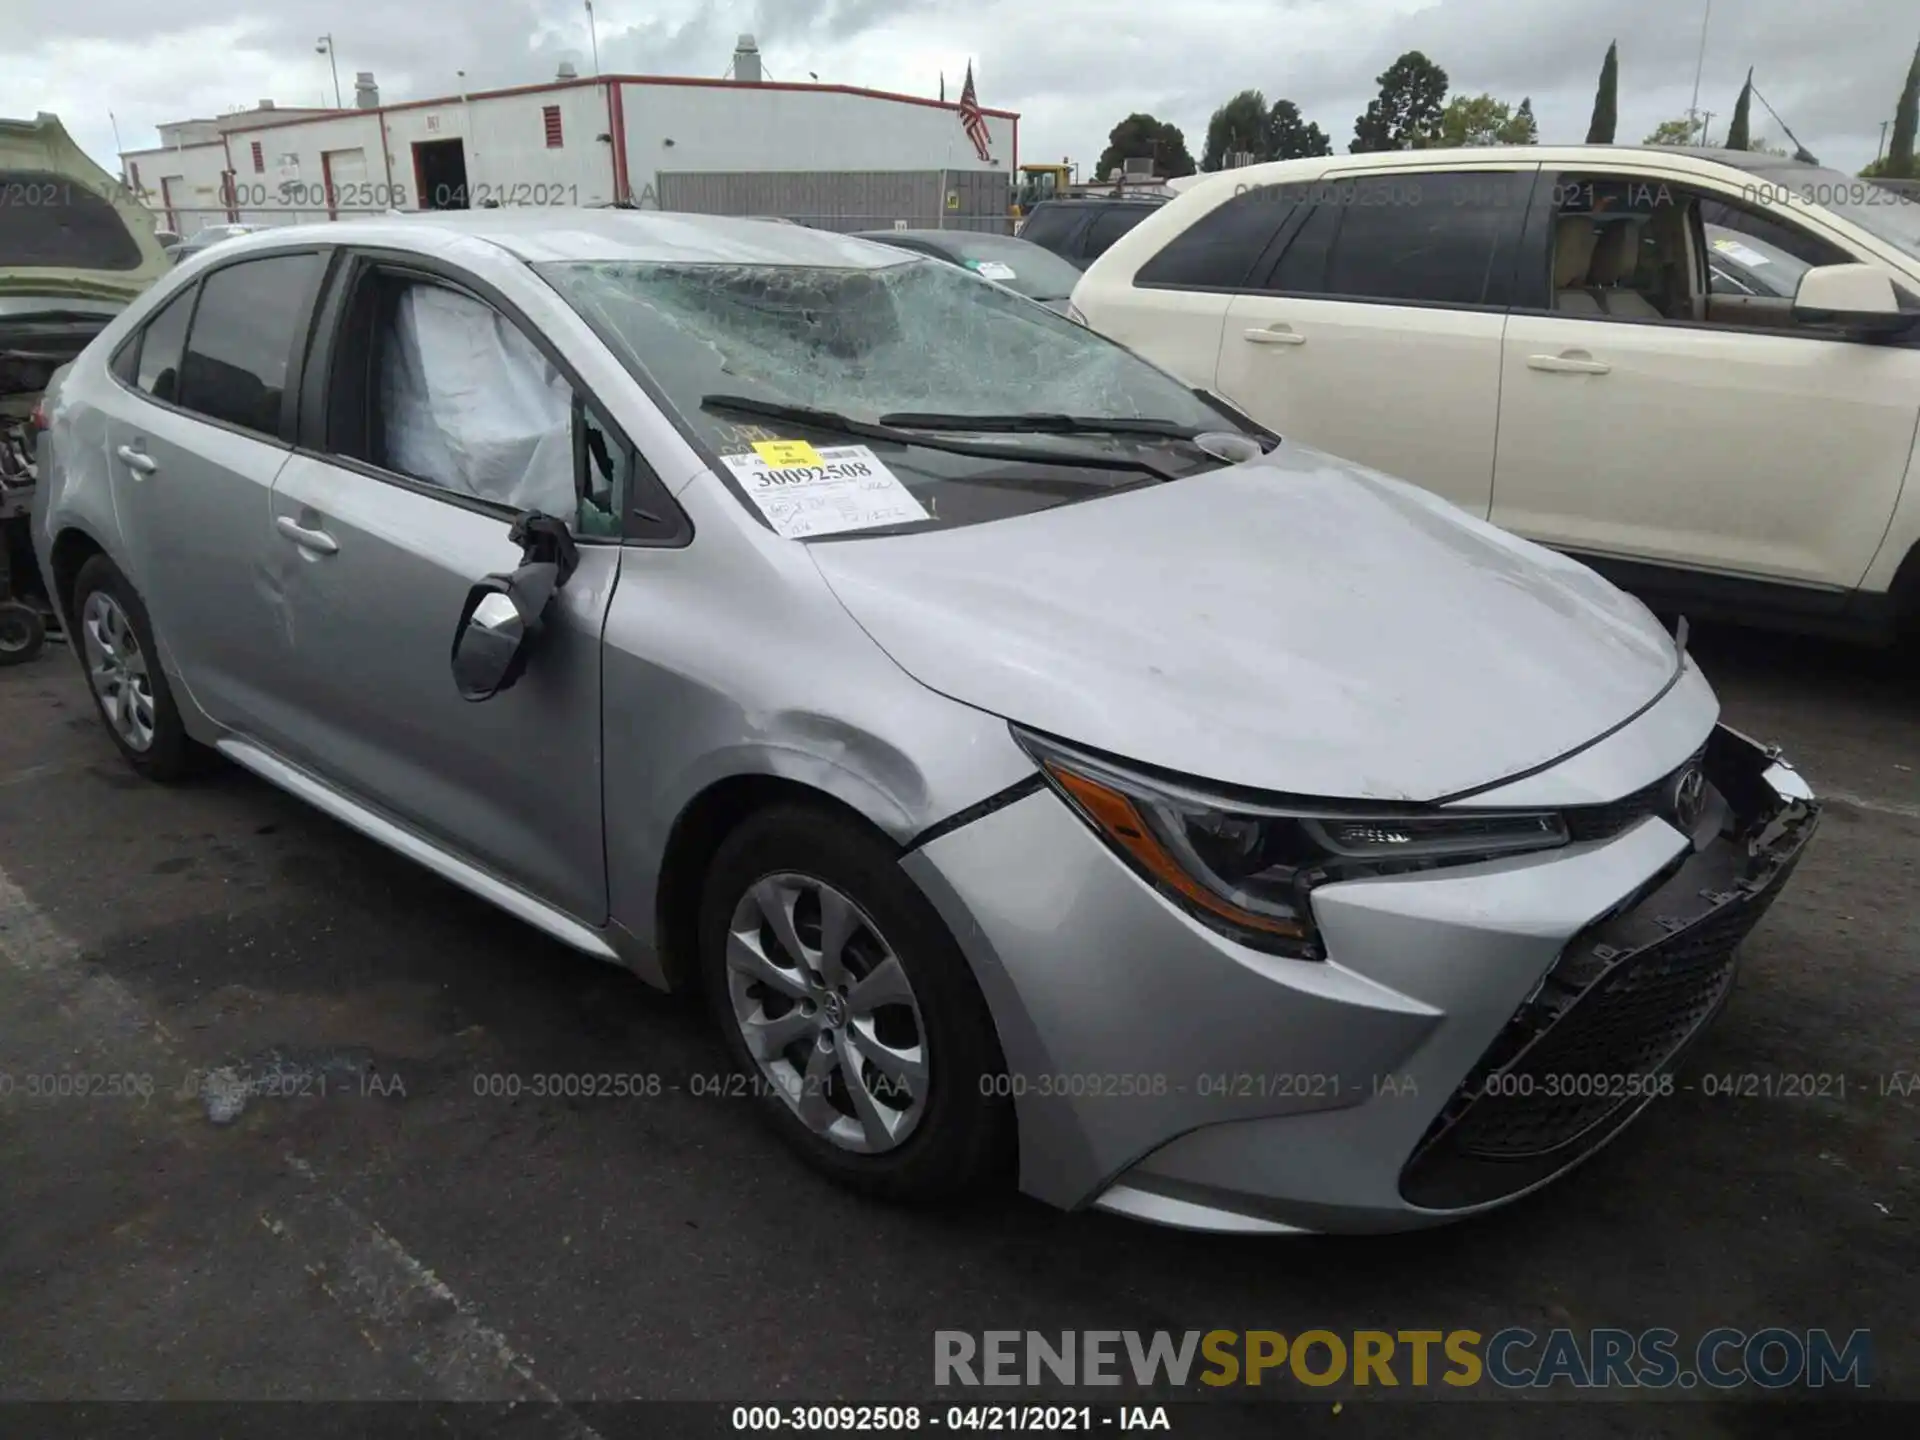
x=498 y=627
x=1858 y=298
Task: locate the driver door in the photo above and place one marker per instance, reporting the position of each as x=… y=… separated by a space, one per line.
x=441 y=419
x=1700 y=434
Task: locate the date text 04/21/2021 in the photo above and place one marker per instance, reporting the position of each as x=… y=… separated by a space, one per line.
x=898 y=1419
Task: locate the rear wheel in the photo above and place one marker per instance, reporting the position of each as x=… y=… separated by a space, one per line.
x=850 y=1010
x=114 y=641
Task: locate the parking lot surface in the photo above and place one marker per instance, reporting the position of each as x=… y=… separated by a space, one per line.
x=409 y=1220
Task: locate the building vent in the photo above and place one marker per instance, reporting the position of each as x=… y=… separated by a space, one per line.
x=566 y=71
x=266 y=104
x=1138 y=167
x=746 y=61
x=259 y=159
x=550 y=115
x=366 y=94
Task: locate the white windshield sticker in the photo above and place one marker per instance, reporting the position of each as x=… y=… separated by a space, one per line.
x=994 y=270
x=1735 y=250
x=848 y=490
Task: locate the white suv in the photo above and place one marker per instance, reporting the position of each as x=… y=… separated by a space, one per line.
x=1576 y=344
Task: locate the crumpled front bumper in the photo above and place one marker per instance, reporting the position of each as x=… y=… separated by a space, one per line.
x=1165 y=1072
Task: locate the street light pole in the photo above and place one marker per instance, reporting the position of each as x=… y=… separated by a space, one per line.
x=1881 y=153
x=1700 y=65
x=325 y=46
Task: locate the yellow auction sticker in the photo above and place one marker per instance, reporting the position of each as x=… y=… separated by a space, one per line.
x=786 y=454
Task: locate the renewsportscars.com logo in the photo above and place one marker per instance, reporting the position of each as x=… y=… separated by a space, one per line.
x=1775 y=1358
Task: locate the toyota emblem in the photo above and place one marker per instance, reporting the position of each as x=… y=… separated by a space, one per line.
x=1689 y=798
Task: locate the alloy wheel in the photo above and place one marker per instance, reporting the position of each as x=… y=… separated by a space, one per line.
x=117 y=668
x=828 y=1013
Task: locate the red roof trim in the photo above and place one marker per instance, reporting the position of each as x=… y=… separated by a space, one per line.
x=553 y=85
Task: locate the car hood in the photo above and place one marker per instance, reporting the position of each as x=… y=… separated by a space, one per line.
x=42 y=147
x=1293 y=624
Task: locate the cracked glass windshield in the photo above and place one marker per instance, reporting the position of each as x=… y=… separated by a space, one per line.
x=917 y=345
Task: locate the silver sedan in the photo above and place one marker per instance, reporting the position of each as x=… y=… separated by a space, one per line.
x=1044 y=772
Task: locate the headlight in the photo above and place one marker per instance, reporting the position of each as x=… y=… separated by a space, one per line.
x=1246 y=868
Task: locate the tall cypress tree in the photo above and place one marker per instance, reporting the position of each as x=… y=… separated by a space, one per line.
x=1606 y=100
x=1738 y=136
x=1900 y=163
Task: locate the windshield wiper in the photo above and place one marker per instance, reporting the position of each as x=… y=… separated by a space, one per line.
x=869 y=430
x=1037 y=423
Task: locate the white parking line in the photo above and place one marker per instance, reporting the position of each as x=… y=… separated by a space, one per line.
x=400 y=1305
x=1878 y=807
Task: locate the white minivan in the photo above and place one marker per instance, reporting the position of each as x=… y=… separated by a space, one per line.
x=1698 y=371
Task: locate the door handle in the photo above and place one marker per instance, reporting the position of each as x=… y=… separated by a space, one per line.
x=317 y=541
x=138 y=460
x=1275 y=336
x=1573 y=362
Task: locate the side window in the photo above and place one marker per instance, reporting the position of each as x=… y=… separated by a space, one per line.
x=1109 y=226
x=1303 y=268
x=157 y=370
x=603 y=465
x=1051 y=226
x=1644 y=249
x=244 y=332
x=1423 y=239
x=1750 y=253
x=1219 y=251
x=464 y=401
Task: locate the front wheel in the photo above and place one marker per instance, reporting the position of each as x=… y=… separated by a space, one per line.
x=849 y=1009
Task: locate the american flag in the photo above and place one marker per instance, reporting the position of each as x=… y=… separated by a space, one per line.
x=971 y=117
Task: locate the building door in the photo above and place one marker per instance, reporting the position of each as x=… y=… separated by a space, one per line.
x=344 y=173
x=440 y=173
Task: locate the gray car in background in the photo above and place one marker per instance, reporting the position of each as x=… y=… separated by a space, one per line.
x=1024 y=268
x=1041 y=769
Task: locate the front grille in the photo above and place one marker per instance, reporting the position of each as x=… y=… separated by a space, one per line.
x=1577 y=1061
x=1603 y=822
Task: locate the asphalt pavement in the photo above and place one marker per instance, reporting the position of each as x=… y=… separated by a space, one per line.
x=395 y=1215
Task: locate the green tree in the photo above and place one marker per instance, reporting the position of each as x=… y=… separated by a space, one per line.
x=1406 y=113
x=1900 y=161
x=1483 y=120
x=1291 y=138
x=1522 y=129
x=1673 y=132
x=1606 y=100
x=1739 y=131
x=1238 y=128
x=1141 y=137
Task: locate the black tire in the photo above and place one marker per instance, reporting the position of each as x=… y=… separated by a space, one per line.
x=23 y=634
x=964 y=1138
x=173 y=754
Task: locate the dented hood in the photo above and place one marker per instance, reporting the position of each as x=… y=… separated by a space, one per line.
x=1293 y=624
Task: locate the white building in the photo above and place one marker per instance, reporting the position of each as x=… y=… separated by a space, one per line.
x=834 y=155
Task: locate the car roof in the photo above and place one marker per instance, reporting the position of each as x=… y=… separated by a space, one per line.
x=543 y=235
x=1690 y=157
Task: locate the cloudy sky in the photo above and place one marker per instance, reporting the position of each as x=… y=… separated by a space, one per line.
x=1070 y=67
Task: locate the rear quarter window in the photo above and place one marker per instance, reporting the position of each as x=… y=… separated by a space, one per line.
x=53 y=221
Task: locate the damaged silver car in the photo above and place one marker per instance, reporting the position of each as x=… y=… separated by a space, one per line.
x=1042 y=770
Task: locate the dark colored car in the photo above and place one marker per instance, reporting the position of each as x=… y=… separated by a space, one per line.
x=1081 y=231
x=1027 y=269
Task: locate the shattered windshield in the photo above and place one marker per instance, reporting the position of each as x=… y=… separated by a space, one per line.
x=919 y=336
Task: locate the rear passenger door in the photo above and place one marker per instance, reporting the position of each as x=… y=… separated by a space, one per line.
x=199 y=433
x=1372 y=329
